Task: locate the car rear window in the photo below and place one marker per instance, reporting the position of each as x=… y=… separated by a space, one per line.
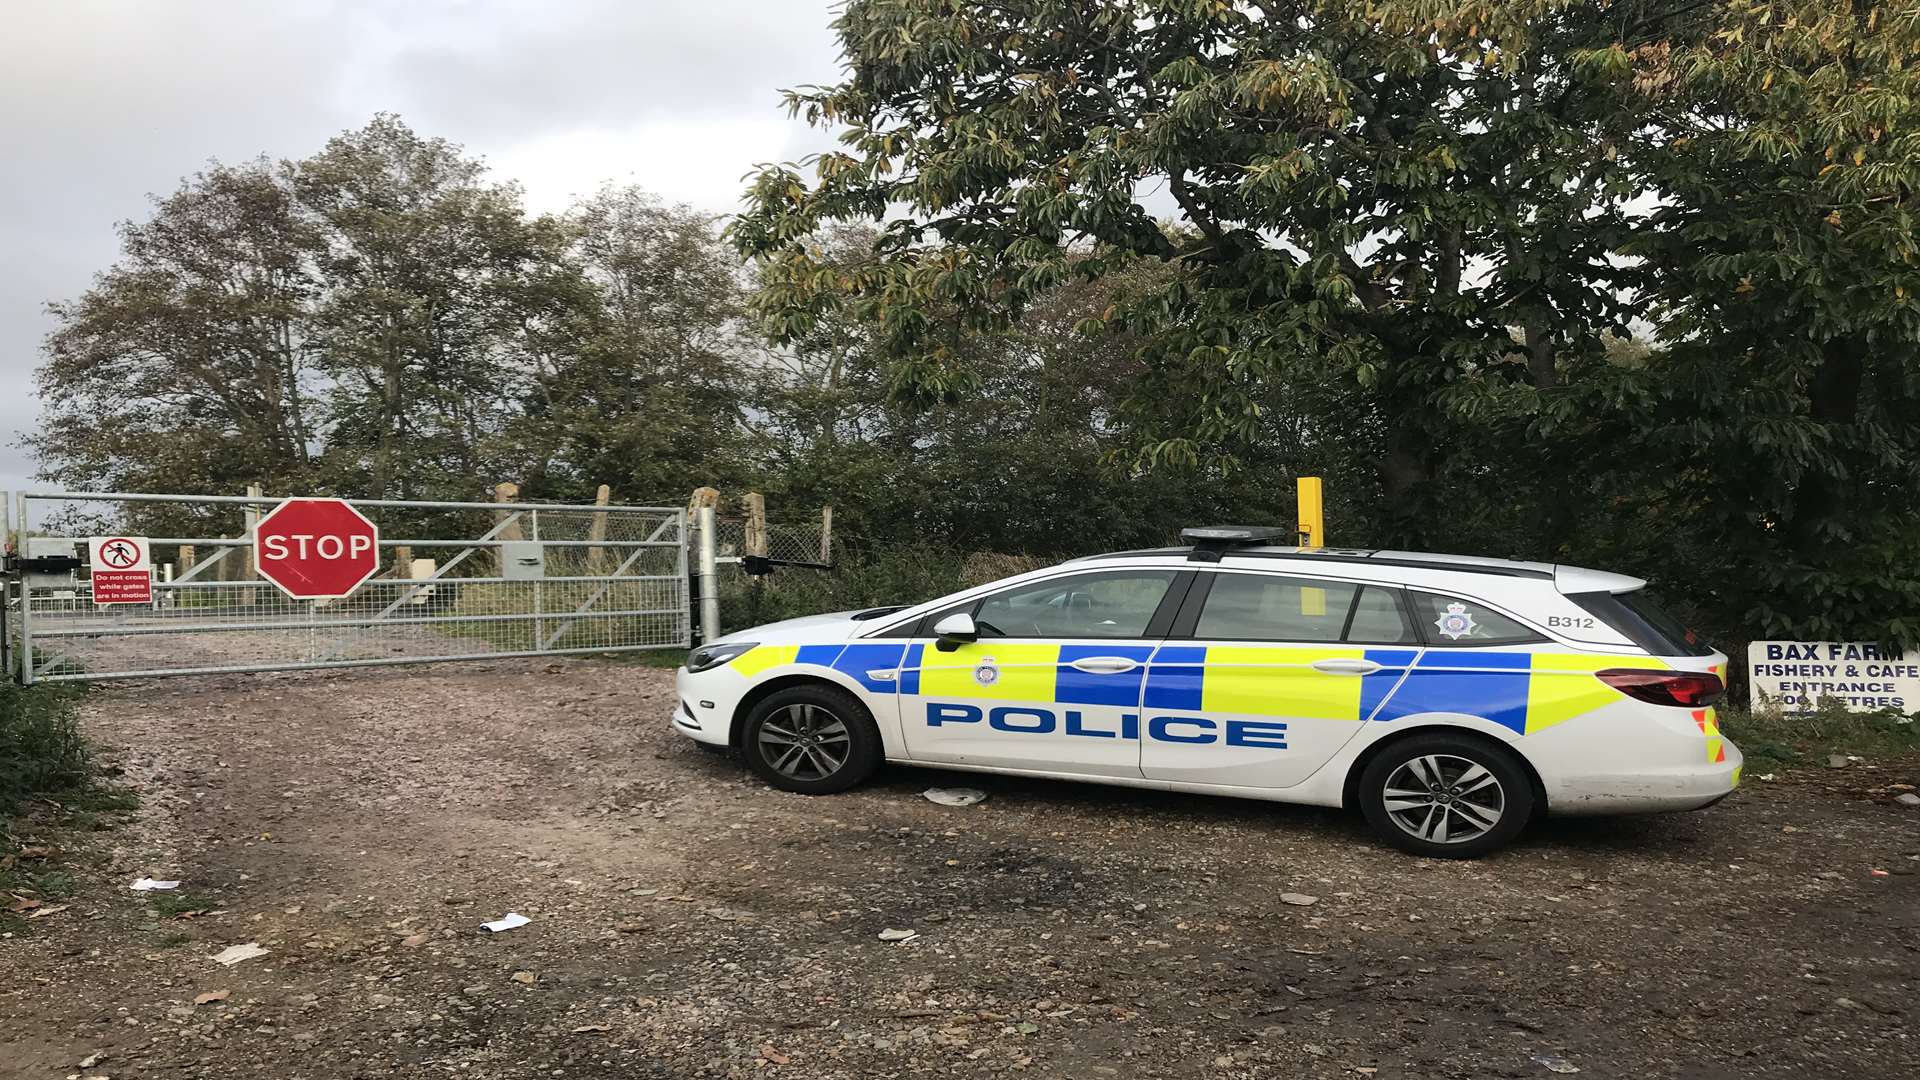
x=1454 y=620
x=1643 y=622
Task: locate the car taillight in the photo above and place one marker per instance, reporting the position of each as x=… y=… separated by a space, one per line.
x=1685 y=689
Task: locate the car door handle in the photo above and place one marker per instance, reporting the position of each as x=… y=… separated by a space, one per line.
x=1346 y=667
x=1104 y=665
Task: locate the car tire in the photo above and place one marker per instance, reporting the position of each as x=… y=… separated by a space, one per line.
x=1446 y=796
x=813 y=740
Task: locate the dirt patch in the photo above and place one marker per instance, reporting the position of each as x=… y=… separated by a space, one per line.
x=688 y=921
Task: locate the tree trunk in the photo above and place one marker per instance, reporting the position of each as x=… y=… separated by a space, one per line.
x=1539 y=343
x=1833 y=398
x=1405 y=470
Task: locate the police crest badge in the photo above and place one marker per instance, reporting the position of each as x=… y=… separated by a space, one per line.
x=1456 y=623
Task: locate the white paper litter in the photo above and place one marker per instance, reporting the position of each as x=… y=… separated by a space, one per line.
x=147 y=884
x=233 y=954
x=955 y=796
x=506 y=922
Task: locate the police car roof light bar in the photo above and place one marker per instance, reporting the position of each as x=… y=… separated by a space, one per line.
x=1210 y=541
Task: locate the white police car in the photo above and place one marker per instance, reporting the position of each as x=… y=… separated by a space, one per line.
x=1450 y=698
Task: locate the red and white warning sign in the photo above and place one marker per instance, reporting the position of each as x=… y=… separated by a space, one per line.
x=122 y=569
x=316 y=548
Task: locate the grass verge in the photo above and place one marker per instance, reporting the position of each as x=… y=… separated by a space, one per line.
x=48 y=778
x=1773 y=739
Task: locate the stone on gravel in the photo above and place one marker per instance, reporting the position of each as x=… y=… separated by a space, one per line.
x=1298 y=899
x=233 y=954
x=1907 y=798
x=1836 y=761
x=898 y=935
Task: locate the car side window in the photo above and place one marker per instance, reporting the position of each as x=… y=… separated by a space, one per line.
x=1268 y=607
x=1378 y=619
x=1453 y=620
x=1109 y=605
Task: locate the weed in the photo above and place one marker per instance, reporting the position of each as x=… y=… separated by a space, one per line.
x=169 y=905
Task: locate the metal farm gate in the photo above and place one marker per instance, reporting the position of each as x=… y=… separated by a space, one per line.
x=457 y=581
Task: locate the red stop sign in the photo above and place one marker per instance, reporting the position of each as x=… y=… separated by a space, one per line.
x=316 y=549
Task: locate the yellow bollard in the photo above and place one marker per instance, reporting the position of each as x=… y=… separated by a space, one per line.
x=1313 y=523
x=1313 y=534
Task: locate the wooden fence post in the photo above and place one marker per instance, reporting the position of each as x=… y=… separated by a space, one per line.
x=702 y=496
x=826 y=533
x=596 y=557
x=505 y=492
x=249 y=558
x=756 y=532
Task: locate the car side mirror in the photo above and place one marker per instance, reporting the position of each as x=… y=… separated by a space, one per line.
x=955 y=630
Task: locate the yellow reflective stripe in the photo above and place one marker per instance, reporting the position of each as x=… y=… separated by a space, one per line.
x=761 y=657
x=1020 y=672
x=1268 y=681
x=1561 y=686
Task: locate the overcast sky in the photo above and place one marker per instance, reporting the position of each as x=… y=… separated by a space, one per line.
x=103 y=102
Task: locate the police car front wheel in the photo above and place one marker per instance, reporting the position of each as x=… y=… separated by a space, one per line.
x=1446 y=796
x=814 y=740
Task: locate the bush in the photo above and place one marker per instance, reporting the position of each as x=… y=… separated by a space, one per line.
x=874 y=576
x=41 y=750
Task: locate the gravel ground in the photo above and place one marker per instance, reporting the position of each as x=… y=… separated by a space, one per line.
x=689 y=922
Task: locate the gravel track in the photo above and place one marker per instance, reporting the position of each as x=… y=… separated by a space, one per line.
x=689 y=921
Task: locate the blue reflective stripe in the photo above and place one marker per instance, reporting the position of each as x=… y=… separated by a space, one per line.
x=1375 y=686
x=857 y=660
x=818 y=655
x=1174 y=681
x=1075 y=687
x=1484 y=684
x=910 y=670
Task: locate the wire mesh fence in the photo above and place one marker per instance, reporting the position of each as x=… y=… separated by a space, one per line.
x=789 y=542
x=456 y=581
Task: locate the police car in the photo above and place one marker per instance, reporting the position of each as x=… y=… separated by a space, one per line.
x=1449 y=698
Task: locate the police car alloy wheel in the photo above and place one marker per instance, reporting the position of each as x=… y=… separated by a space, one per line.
x=1446 y=796
x=814 y=740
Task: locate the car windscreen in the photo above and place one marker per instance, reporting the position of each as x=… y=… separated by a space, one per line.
x=1643 y=622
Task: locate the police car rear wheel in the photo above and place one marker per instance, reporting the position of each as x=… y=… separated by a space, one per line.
x=814 y=740
x=1446 y=796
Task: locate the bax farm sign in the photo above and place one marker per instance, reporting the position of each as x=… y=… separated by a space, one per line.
x=1798 y=675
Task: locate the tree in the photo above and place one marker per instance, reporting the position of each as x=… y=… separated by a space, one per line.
x=1373 y=194
x=643 y=384
x=1026 y=461
x=425 y=302
x=1783 y=421
x=189 y=365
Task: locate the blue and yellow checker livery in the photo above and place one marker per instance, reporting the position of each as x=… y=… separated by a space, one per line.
x=1522 y=691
